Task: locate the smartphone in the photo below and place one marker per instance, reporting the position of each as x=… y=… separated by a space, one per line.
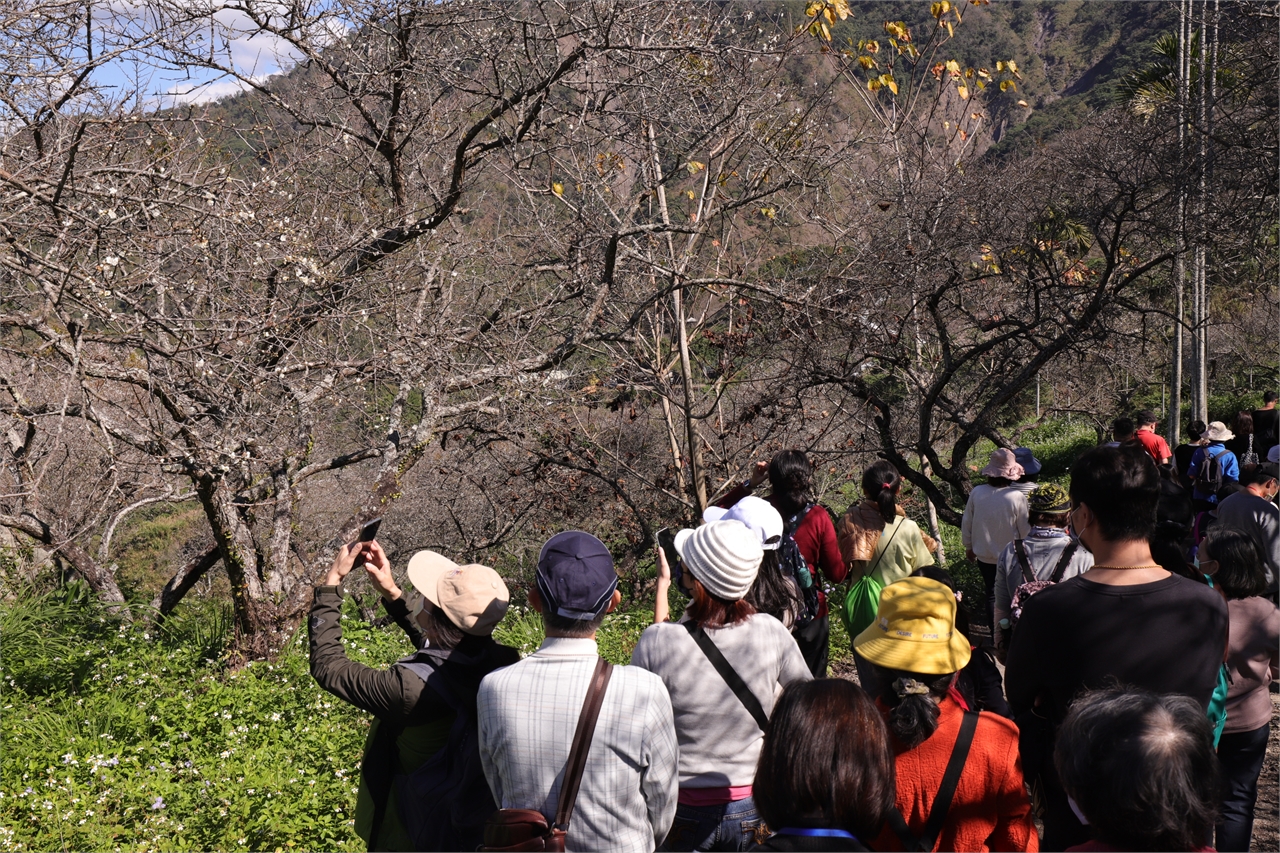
x=367 y=533
x=667 y=542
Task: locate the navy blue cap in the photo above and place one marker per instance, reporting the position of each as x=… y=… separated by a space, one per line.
x=1030 y=464
x=575 y=575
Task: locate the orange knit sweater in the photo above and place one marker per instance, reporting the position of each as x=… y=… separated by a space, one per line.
x=990 y=810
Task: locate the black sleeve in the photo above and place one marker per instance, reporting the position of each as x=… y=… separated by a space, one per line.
x=389 y=694
x=988 y=686
x=398 y=610
x=1023 y=670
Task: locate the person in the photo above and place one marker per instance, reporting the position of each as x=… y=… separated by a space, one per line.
x=825 y=778
x=719 y=736
x=418 y=702
x=1140 y=768
x=1171 y=540
x=1242 y=445
x=917 y=653
x=1121 y=431
x=1126 y=619
x=1252 y=660
x=978 y=684
x=1253 y=510
x=876 y=536
x=1031 y=468
x=1154 y=444
x=773 y=592
x=1215 y=435
x=876 y=531
x=1044 y=547
x=790 y=479
x=528 y=713
x=995 y=515
x=1266 y=424
x=1183 y=452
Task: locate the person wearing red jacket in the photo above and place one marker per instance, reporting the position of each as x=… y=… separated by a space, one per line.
x=790 y=477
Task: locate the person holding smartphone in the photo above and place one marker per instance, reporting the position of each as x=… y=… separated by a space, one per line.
x=425 y=703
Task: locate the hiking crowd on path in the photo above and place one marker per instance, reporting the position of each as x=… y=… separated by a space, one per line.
x=1134 y=613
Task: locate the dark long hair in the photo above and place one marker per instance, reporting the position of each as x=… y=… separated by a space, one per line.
x=880 y=484
x=791 y=478
x=913 y=717
x=771 y=593
x=826 y=760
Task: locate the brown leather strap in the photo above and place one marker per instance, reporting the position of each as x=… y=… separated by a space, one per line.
x=582 y=743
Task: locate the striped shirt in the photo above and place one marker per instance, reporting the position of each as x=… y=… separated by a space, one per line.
x=528 y=712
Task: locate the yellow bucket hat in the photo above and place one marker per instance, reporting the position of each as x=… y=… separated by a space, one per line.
x=915 y=629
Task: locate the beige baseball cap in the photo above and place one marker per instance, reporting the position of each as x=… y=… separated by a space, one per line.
x=472 y=596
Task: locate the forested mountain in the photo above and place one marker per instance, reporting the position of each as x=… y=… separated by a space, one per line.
x=494 y=269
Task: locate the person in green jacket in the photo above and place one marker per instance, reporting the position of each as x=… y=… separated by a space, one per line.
x=417 y=702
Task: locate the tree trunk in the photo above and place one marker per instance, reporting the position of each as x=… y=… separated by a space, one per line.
x=167 y=599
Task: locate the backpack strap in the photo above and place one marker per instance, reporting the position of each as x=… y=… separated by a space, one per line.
x=1063 y=561
x=729 y=674
x=1021 y=551
x=582 y=735
x=793 y=523
x=946 y=793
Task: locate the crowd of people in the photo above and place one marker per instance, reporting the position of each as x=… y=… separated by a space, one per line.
x=1121 y=684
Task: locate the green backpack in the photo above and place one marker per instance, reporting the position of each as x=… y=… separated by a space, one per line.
x=862 y=601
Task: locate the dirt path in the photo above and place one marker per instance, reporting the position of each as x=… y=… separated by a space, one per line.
x=1266 y=816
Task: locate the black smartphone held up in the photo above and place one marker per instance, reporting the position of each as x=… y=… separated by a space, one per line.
x=667 y=542
x=367 y=533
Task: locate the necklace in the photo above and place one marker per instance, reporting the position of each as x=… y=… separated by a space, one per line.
x=1119 y=568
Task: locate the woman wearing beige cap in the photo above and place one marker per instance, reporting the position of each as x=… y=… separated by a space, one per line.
x=917 y=652
x=422 y=748
x=724 y=666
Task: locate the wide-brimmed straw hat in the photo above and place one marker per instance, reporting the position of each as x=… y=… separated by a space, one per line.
x=1003 y=464
x=915 y=630
x=1217 y=431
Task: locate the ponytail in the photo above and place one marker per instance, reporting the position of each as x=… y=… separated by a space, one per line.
x=880 y=483
x=912 y=703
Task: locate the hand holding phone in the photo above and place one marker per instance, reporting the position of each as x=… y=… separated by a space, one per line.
x=667 y=544
x=367 y=533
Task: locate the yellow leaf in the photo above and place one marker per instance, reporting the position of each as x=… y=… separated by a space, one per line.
x=873 y=84
x=1022 y=103
x=695 y=167
x=690 y=194
x=936 y=10
x=953 y=68
x=951 y=31
x=1013 y=66
x=872 y=47
x=946 y=7
x=841 y=7
x=829 y=15
x=999 y=66
x=866 y=61
x=812 y=10
x=769 y=212
x=1006 y=85
x=963 y=91
x=887 y=79
x=557 y=188
x=826 y=30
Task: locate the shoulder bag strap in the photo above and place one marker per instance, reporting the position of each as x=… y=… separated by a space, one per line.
x=946 y=792
x=793 y=523
x=1063 y=561
x=880 y=556
x=1021 y=551
x=727 y=672
x=582 y=743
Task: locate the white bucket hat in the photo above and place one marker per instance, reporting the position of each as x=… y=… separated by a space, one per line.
x=724 y=555
x=1218 y=431
x=757 y=514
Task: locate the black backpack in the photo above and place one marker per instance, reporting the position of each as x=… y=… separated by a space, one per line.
x=444 y=803
x=1209 y=477
x=793 y=565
